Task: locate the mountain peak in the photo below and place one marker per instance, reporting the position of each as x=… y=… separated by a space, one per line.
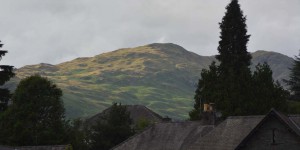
x=164 y=45
x=264 y=53
x=168 y=48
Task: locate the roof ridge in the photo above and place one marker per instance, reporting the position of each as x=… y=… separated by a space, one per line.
x=153 y=114
x=295 y=124
x=251 y=116
x=135 y=135
x=182 y=122
x=281 y=117
x=293 y=115
x=287 y=120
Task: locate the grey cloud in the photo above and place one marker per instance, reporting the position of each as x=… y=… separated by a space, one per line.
x=54 y=31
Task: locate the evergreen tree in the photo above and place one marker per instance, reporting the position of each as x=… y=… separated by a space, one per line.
x=36 y=116
x=231 y=86
x=234 y=72
x=294 y=81
x=267 y=93
x=233 y=54
x=208 y=82
x=112 y=129
x=6 y=72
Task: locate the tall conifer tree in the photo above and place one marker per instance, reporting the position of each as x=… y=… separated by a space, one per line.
x=231 y=85
x=232 y=48
x=6 y=72
x=234 y=71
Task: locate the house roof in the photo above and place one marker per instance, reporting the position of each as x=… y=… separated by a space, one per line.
x=295 y=119
x=291 y=122
x=228 y=134
x=166 y=136
x=233 y=132
x=136 y=112
x=50 y=147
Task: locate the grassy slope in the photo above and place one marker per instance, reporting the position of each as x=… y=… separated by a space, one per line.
x=160 y=76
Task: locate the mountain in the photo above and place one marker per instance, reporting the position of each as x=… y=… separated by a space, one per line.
x=279 y=63
x=162 y=77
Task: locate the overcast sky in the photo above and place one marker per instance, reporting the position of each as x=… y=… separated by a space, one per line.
x=54 y=31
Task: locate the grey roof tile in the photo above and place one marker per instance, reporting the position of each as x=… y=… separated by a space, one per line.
x=166 y=136
x=228 y=134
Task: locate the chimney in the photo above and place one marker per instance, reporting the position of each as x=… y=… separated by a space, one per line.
x=205 y=107
x=209 y=107
x=209 y=113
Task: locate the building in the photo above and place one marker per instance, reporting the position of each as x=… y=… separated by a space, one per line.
x=272 y=131
x=50 y=147
x=137 y=112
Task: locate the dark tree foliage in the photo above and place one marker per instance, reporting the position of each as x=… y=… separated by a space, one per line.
x=234 y=71
x=267 y=93
x=294 y=81
x=231 y=85
x=36 y=116
x=112 y=129
x=6 y=72
x=233 y=54
x=78 y=135
x=142 y=124
x=203 y=93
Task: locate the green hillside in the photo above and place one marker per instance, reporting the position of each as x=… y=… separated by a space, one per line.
x=279 y=63
x=160 y=76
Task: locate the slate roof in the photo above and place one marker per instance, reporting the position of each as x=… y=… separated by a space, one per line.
x=295 y=119
x=228 y=134
x=50 y=147
x=285 y=120
x=136 y=112
x=235 y=130
x=166 y=136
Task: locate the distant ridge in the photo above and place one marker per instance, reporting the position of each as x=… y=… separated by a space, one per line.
x=161 y=76
x=279 y=63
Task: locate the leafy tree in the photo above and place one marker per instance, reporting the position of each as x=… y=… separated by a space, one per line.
x=142 y=123
x=6 y=72
x=78 y=135
x=37 y=114
x=112 y=129
x=294 y=81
